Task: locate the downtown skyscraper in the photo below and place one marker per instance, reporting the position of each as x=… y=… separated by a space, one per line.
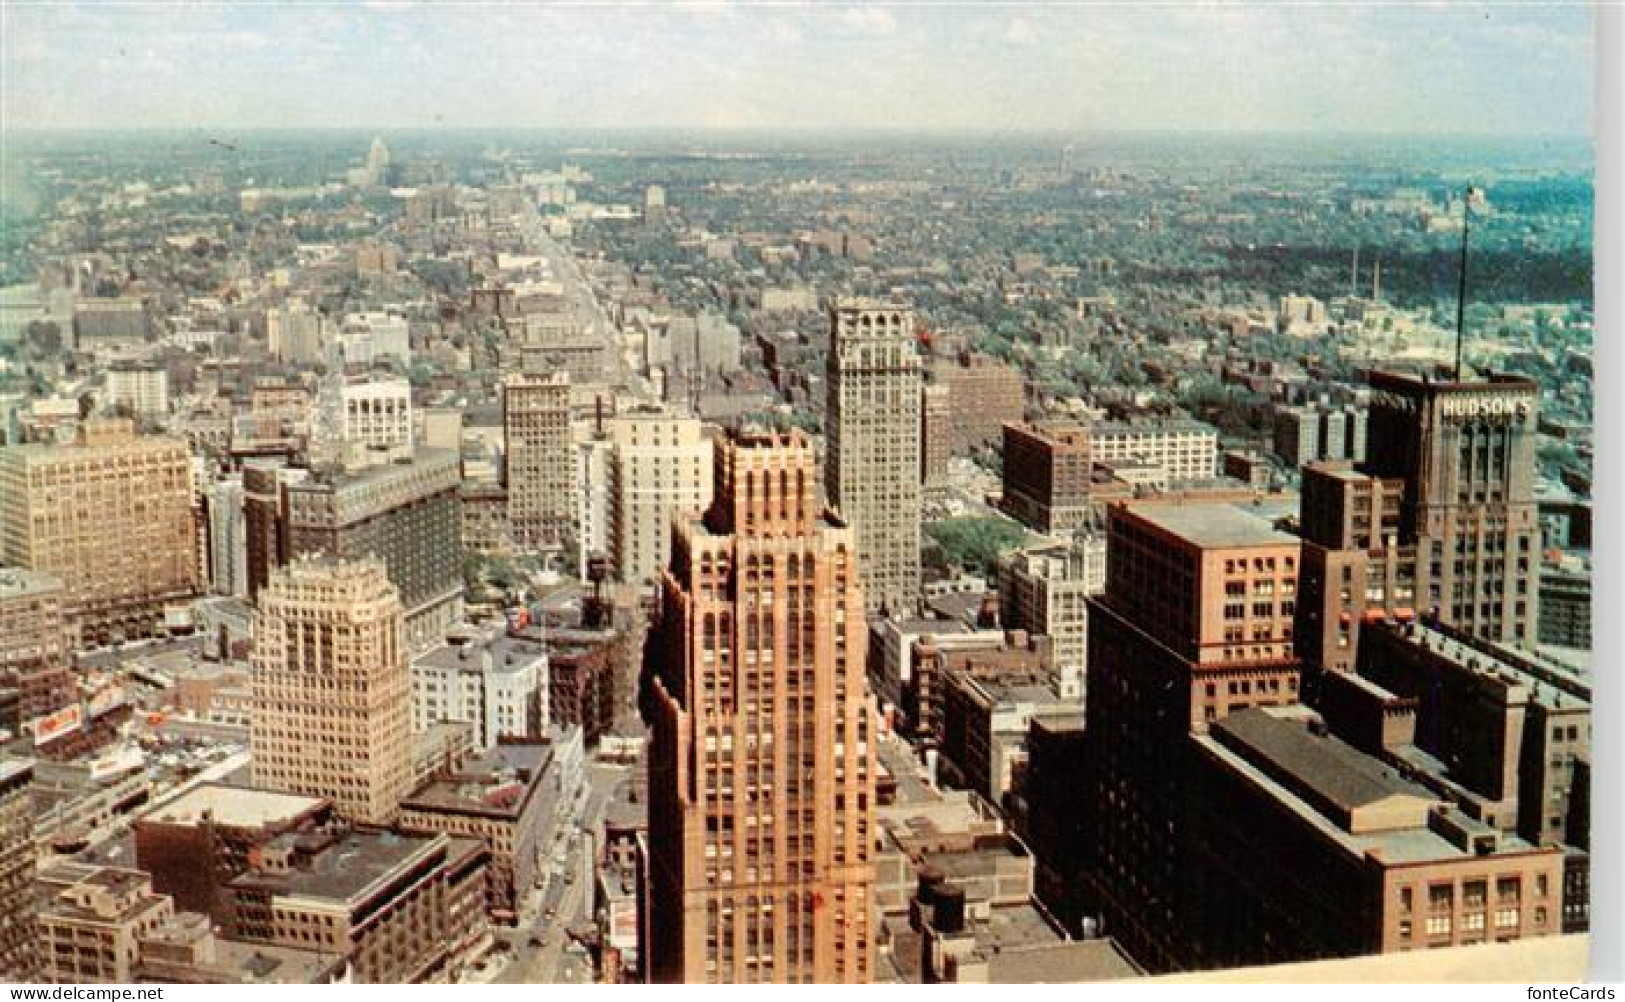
x=872 y=464
x=761 y=775
x=332 y=693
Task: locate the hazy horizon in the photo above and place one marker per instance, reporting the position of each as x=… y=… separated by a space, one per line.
x=1389 y=70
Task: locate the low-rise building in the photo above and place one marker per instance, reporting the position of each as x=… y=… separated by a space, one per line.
x=509 y=798
x=399 y=908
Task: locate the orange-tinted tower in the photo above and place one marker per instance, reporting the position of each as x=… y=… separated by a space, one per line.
x=761 y=772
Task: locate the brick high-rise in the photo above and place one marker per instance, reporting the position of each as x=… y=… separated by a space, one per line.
x=872 y=460
x=1440 y=520
x=761 y=775
x=332 y=690
x=35 y=649
x=1195 y=624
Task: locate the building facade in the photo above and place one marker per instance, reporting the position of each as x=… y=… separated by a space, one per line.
x=1183 y=449
x=20 y=960
x=661 y=471
x=332 y=693
x=35 y=651
x=762 y=773
x=404 y=513
x=111 y=516
x=872 y=458
x=1046 y=475
x=538 y=461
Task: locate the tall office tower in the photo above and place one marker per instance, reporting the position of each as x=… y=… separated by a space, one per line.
x=661 y=470
x=761 y=774
x=266 y=529
x=228 y=537
x=936 y=436
x=111 y=516
x=407 y=514
x=538 y=461
x=19 y=958
x=872 y=460
x=34 y=646
x=1195 y=624
x=378 y=162
x=654 y=203
x=594 y=456
x=296 y=332
x=332 y=688
x=1466 y=451
x=143 y=390
x=1440 y=521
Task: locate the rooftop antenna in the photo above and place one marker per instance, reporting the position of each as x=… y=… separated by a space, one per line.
x=1461 y=288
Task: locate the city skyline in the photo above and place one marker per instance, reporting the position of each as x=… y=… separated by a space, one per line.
x=1082 y=69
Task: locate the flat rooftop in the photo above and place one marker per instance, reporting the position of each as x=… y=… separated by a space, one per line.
x=1337 y=772
x=345 y=869
x=1067 y=962
x=233 y=806
x=1213 y=525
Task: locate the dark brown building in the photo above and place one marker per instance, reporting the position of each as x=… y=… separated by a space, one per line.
x=19 y=940
x=1046 y=475
x=1195 y=624
x=195 y=845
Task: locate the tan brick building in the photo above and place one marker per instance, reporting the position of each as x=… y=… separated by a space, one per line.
x=539 y=461
x=34 y=644
x=762 y=772
x=332 y=688
x=111 y=517
x=92 y=920
x=661 y=469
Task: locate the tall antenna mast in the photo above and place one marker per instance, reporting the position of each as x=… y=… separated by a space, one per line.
x=1461 y=288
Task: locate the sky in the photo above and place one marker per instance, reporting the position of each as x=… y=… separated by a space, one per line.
x=1395 y=68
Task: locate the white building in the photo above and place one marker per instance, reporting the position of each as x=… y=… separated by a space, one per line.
x=144 y=390
x=593 y=458
x=365 y=338
x=296 y=333
x=1045 y=590
x=662 y=469
x=497 y=683
x=1185 y=449
x=377 y=413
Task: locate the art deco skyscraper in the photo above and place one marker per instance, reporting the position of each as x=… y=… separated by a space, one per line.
x=539 y=462
x=332 y=690
x=872 y=462
x=761 y=775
